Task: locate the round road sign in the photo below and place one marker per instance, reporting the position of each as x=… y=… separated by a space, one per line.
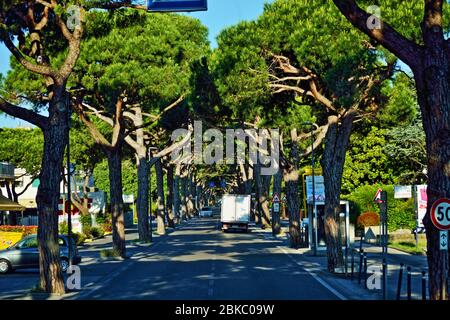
x=440 y=214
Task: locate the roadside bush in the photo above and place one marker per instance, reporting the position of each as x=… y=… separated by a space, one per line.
x=63 y=228
x=400 y=211
x=97 y=232
x=79 y=238
x=26 y=230
x=368 y=219
x=87 y=231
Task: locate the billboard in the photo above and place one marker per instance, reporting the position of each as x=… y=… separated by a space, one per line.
x=421 y=203
x=402 y=192
x=319 y=189
x=176 y=5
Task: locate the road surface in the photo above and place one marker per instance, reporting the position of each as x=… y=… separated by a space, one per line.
x=199 y=262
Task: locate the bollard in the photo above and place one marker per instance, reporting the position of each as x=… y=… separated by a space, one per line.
x=408 y=282
x=353 y=265
x=365 y=270
x=424 y=285
x=361 y=255
x=400 y=278
x=384 y=279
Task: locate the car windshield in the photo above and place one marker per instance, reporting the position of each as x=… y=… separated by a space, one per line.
x=206 y=209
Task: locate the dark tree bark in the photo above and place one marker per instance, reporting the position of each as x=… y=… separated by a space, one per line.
x=262 y=183
x=116 y=199
x=258 y=208
x=433 y=90
x=47 y=198
x=431 y=67
x=169 y=199
x=161 y=229
x=142 y=201
x=276 y=224
x=184 y=199
x=291 y=177
x=333 y=160
x=176 y=195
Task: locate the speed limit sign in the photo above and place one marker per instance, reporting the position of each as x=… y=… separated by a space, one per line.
x=440 y=214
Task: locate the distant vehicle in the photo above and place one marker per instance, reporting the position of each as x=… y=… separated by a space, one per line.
x=235 y=212
x=25 y=254
x=206 y=212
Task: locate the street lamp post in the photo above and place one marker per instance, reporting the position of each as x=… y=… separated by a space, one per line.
x=314 y=213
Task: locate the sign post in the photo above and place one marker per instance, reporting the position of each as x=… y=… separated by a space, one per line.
x=275 y=214
x=440 y=216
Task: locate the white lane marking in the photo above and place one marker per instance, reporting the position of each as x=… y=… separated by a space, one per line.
x=315 y=276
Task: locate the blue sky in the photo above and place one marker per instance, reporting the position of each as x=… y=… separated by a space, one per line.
x=220 y=14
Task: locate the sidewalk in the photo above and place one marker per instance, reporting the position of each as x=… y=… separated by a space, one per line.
x=353 y=290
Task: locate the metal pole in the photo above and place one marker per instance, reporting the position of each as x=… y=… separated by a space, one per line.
x=424 y=285
x=384 y=279
x=315 y=222
x=408 y=282
x=361 y=256
x=400 y=279
x=365 y=270
x=69 y=196
x=150 y=197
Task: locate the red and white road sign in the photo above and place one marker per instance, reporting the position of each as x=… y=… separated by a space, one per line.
x=440 y=214
x=276 y=197
x=377 y=198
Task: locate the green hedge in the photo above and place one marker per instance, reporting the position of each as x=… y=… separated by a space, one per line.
x=400 y=211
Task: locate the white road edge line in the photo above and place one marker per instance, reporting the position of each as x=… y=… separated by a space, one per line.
x=315 y=276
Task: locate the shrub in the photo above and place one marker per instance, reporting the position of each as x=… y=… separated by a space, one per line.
x=79 y=238
x=97 y=232
x=87 y=231
x=107 y=227
x=63 y=228
x=25 y=230
x=400 y=211
x=369 y=219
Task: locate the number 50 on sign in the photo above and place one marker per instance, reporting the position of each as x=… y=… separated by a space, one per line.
x=440 y=214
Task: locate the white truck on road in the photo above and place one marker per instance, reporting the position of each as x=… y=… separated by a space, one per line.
x=235 y=212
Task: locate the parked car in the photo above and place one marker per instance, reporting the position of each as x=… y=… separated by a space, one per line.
x=205 y=212
x=25 y=254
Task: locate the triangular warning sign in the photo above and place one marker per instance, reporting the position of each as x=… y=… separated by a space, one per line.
x=275 y=198
x=377 y=198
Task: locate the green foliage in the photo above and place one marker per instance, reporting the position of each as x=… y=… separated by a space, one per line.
x=400 y=212
x=402 y=107
x=406 y=149
x=366 y=161
x=23 y=148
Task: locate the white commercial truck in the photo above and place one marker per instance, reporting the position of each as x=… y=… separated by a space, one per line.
x=235 y=212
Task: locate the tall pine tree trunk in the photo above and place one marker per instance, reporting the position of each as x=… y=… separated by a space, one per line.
x=184 y=196
x=116 y=199
x=160 y=202
x=333 y=160
x=176 y=195
x=169 y=199
x=47 y=198
x=433 y=90
x=258 y=182
x=142 y=200
x=291 y=177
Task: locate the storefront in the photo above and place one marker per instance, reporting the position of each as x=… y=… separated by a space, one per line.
x=8 y=207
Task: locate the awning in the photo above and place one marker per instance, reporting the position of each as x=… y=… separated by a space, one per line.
x=8 y=205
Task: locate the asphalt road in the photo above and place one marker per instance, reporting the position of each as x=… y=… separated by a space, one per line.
x=199 y=262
